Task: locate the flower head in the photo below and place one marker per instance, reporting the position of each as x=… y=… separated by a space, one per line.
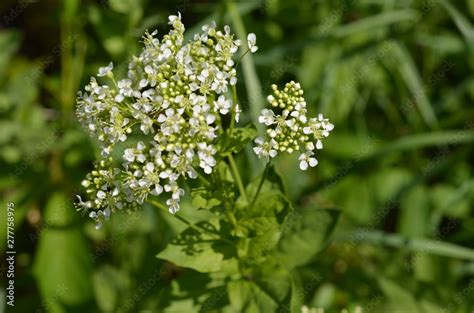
x=290 y=130
x=174 y=95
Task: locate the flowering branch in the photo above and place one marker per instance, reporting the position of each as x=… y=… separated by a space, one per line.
x=166 y=119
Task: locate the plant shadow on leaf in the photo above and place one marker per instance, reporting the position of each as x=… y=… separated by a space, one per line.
x=200 y=251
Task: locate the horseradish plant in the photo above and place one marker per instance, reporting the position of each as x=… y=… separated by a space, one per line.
x=170 y=126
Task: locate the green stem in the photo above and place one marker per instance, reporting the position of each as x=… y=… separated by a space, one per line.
x=203 y=179
x=240 y=59
x=231 y=217
x=234 y=104
x=238 y=179
x=264 y=175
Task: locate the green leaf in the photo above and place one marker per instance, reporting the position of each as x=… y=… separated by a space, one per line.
x=274 y=279
x=258 y=248
x=452 y=201
x=400 y=300
x=418 y=141
x=203 y=198
x=108 y=284
x=414 y=219
x=270 y=203
x=461 y=21
x=9 y=43
x=235 y=141
x=63 y=266
x=247 y=297
x=199 y=251
x=260 y=225
x=273 y=182
x=305 y=233
x=410 y=74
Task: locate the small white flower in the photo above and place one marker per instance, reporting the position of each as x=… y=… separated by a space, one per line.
x=222 y=105
x=157 y=190
x=107 y=213
x=129 y=155
x=267 y=117
x=106 y=70
x=319 y=144
x=307 y=159
x=101 y=194
x=251 y=41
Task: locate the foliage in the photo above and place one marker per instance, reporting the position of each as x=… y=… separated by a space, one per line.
x=395 y=77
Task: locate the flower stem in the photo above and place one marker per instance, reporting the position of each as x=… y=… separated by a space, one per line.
x=240 y=58
x=203 y=179
x=264 y=175
x=234 y=106
x=238 y=179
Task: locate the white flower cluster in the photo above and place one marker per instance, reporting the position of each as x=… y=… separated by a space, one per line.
x=174 y=96
x=291 y=130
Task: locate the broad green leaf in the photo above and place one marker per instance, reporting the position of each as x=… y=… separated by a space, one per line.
x=260 y=225
x=273 y=278
x=203 y=198
x=108 y=285
x=269 y=203
x=215 y=300
x=400 y=300
x=247 y=297
x=305 y=234
x=258 y=248
x=62 y=266
x=199 y=251
x=256 y=226
x=273 y=182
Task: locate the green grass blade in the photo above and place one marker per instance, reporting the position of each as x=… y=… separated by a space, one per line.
x=374 y=22
x=414 y=83
x=425 y=140
x=461 y=22
x=422 y=245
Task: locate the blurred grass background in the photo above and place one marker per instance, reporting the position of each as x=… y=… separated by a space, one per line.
x=395 y=77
